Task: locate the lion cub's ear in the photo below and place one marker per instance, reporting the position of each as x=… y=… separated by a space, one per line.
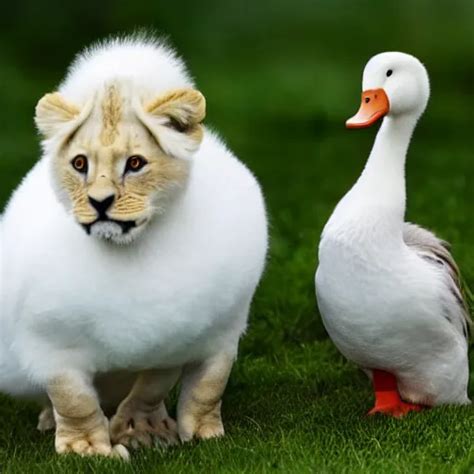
x=175 y=119
x=55 y=115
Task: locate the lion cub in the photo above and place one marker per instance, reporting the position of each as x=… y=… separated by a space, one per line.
x=130 y=256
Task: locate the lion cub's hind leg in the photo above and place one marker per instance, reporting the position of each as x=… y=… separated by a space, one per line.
x=46 y=419
x=199 y=405
x=142 y=418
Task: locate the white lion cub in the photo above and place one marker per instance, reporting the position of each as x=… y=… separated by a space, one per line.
x=130 y=254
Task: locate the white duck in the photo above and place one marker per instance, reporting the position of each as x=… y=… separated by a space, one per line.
x=389 y=291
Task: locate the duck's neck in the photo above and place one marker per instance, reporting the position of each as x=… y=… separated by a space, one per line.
x=383 y=180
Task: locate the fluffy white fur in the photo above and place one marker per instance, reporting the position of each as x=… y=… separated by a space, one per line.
x=179 y=293
x=387 y=290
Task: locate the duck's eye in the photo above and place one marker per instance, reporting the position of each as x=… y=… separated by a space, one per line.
x=135 y=163
x=80 y=164
x=389 y=72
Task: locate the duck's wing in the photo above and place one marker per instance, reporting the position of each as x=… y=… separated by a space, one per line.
x=436 y=251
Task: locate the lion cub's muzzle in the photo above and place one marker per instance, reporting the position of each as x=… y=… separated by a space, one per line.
x=102 y=207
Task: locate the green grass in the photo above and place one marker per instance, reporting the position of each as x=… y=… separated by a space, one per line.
x=301 y=410
x=280 y=79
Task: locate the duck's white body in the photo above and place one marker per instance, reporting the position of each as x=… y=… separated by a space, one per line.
x=386 y=289
x=178 y=294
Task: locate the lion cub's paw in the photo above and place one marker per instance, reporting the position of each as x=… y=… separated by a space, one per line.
x=94 y=440
x=138 y=428
x=201 y=425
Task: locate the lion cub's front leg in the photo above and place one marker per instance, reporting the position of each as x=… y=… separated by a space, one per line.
x=199 y=405
x=81 y=427
x=141 y=418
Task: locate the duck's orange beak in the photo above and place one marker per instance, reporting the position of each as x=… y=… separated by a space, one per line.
x=374 y=105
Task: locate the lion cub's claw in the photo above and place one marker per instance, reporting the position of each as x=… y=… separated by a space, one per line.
x=88 y=447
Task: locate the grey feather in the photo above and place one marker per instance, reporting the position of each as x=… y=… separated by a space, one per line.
x=436 y=251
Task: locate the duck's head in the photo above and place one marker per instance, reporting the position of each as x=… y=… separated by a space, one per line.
x=393 y=84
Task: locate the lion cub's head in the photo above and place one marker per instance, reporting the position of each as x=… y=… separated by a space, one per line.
x=116 y=160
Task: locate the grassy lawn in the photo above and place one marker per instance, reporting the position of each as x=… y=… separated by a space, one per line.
x=280 y=79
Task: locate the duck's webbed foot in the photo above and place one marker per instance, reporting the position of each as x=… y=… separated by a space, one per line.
x=387 y=398
x=397 y=410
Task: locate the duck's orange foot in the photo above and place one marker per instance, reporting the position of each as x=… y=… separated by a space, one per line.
x=387 y=399
x=398 y=410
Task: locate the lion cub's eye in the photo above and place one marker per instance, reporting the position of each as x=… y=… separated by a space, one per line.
x=79 y=163
x=135 y=163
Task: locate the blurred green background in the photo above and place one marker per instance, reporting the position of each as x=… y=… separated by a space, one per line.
x=280 y=79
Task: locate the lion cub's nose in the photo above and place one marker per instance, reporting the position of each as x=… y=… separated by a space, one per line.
x=102 y=206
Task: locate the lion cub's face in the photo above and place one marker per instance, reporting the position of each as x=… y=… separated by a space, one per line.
x=116 y=161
